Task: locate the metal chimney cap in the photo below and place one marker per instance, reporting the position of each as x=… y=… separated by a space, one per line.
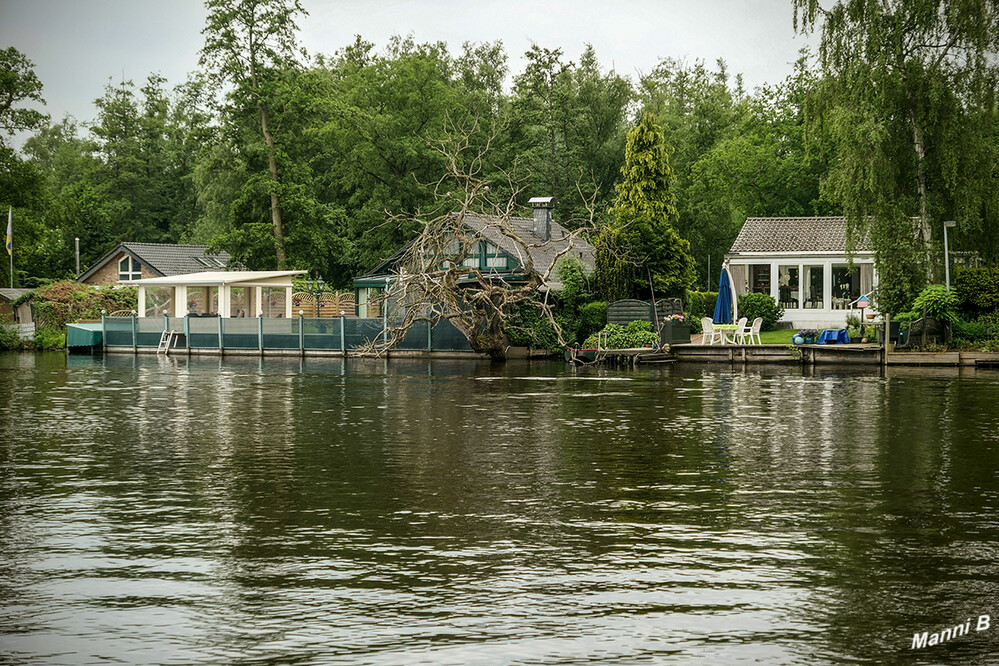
x=542 y=202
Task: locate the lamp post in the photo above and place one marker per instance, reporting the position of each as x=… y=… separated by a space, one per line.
x=317 y=288
x=947 y=225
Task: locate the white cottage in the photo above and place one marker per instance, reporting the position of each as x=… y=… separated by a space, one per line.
x=222 y=293
x=801 y=263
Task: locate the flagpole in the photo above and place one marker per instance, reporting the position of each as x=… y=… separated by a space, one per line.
x=10 y=242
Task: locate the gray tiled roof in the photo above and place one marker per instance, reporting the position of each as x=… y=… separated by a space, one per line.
x=795 y=234
x=543 y=253
x=178 y=259
x=165 y=260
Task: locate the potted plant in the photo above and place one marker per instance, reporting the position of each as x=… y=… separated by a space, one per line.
x=676 y=330
x=808 y=335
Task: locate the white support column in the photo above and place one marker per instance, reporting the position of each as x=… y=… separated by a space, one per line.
x=827 y=286
x=774 y=281
x=224 y=298
x=257 y=310
x=180 y=301
x=288 y=303
x=142 y=301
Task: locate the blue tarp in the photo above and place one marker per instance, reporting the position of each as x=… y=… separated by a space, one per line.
x=723 y=306
x=832 y=336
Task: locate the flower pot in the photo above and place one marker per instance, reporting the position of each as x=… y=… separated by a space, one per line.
x=673 y=334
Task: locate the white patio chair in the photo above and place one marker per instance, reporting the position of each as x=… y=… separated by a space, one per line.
x=709 y=332
x=742 y=332
x=753 y=332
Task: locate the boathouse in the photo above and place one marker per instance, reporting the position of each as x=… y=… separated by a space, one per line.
x=803 y=264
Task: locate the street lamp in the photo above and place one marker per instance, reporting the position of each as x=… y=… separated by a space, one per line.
x=947 y=225
x=317 y=288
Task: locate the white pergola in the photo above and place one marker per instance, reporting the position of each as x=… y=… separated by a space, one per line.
x=232 y=293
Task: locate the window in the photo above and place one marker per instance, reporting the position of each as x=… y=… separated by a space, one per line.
x=159 y=301
x=759 y=278
x=845 y=286
x=272 y=301
x=129 y=269
x=494 y=257
x=814 y=286
x=369 y=301
x=472 y=258
x=788 y=287
x=237 y=302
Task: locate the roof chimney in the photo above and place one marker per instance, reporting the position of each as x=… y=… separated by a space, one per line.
x=543 y=216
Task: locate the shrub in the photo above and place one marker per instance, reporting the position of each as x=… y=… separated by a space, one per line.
x=9 y=339
x=49 y=338
x=940 y=303
x=977 y=290
x=971 y=331
x=592 y=318
x=528 y=327
x=752 y=306
x=61 y=303
x=636 y=334
x=701 y=304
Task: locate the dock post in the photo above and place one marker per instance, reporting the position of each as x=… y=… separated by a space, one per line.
x=135 y=332
x=166 y=322
x=220 y=335
x=260 y=334
x=104 y=331
x=301 y=332
x=430 y=335
x=343 y=337
x=187 y=334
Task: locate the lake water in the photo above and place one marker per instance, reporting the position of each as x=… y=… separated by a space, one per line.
x=175 y=510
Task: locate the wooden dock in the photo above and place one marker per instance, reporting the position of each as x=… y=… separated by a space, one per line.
x=852 y=354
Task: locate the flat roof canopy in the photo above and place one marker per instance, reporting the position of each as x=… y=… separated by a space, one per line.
x=232 y=278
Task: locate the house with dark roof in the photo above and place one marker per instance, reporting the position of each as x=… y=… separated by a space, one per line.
x=134 y=261
x=494 y=251
x=802 y=263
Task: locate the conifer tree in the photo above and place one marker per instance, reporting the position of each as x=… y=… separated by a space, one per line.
x=641 y=255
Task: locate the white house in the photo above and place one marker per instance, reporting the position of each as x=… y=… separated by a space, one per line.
x=801 y=262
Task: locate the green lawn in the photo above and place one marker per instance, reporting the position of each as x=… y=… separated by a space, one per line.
x=780 y=337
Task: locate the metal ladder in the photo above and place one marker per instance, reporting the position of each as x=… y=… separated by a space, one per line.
x=166 y=340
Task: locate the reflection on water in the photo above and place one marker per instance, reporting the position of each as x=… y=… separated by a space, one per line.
x=175 y=510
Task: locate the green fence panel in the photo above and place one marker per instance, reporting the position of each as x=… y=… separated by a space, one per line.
x=322 y=334
x=239 y=333
x=361 y=330
x=204 y=332
x=280 y=333
x=448 y=338
x=118 y=331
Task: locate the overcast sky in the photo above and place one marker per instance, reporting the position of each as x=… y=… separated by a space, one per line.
x=77 y=45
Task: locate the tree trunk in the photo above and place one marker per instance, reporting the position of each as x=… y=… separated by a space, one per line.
x=275 y=203
x=924 y=215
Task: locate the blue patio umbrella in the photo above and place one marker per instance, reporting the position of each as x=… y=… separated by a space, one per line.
x=723 y=306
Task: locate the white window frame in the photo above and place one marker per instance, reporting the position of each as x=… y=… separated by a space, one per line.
x=134 y=271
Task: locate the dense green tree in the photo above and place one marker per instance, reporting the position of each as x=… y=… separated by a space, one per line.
x=765 y=163
x=251 y=45
x=641 y=255
x=908 y=95
x=567 y=129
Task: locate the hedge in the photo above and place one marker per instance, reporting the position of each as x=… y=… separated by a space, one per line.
x=752 y=306
x=977 y=291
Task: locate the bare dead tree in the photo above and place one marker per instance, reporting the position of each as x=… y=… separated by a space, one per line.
x=433 y=279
